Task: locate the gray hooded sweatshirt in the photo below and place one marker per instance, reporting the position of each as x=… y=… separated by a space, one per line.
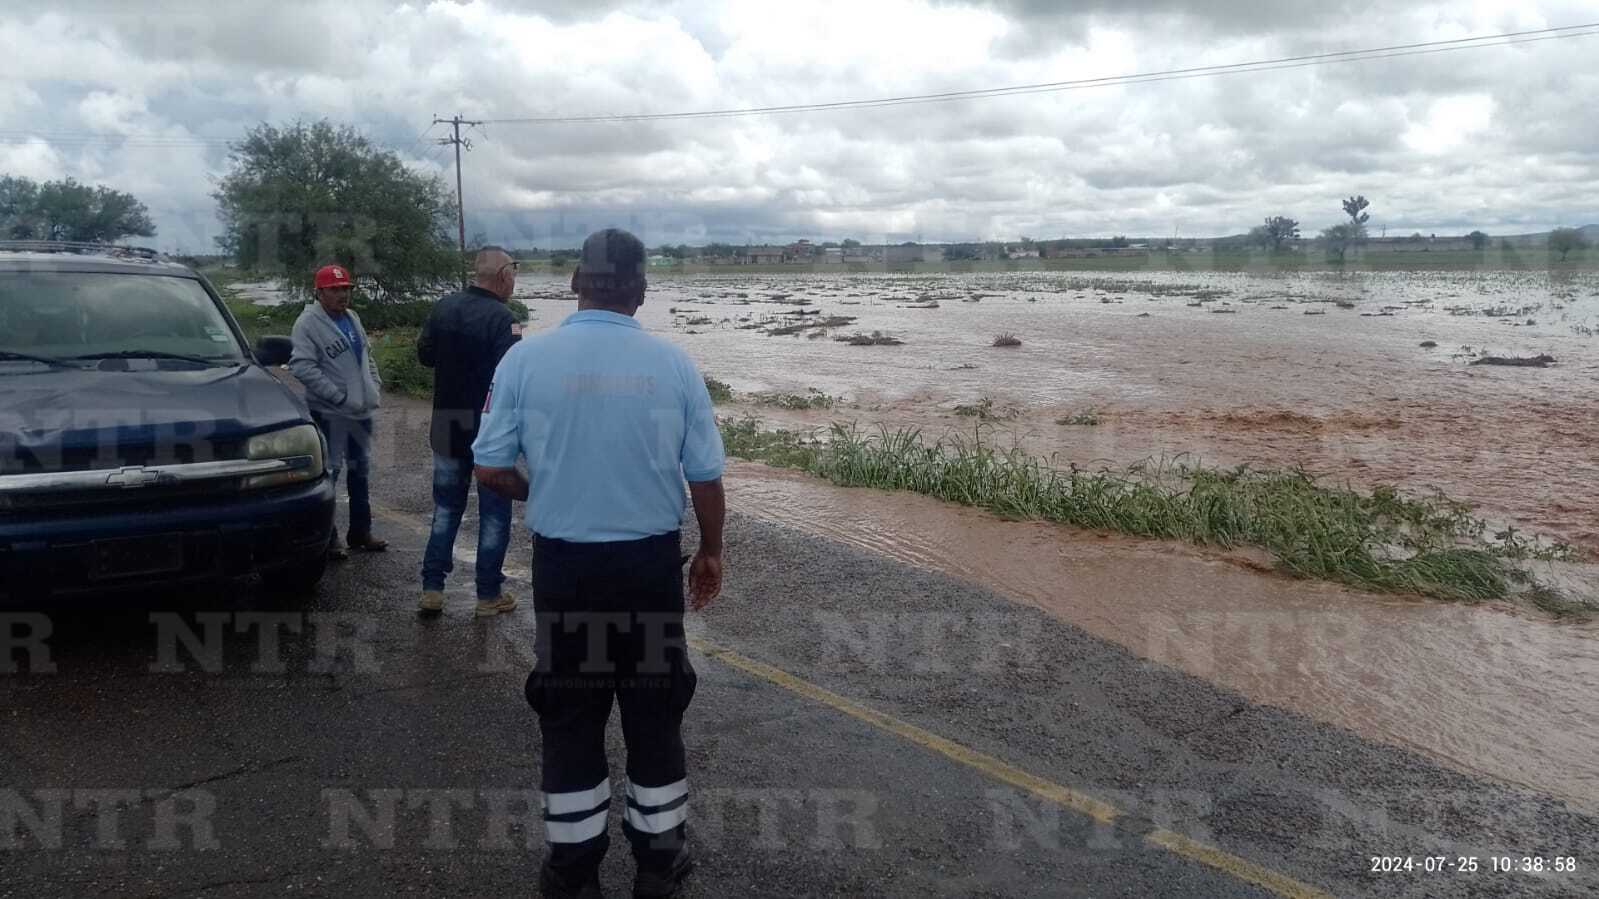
x=335 y=382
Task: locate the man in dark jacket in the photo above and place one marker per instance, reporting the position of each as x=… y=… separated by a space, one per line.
x=462 y=342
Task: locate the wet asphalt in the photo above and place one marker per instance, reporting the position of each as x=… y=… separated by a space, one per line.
x=222 y=743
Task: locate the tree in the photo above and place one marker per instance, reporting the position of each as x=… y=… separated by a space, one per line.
x=1339 y=238
x=1278 y=230
x=1564 y=240
x=1355 y=207
x=300 y=197
x=1479 y=240
x=68 y=210
x=850 y=243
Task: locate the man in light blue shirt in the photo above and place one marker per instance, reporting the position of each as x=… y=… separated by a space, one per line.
x=611 y=421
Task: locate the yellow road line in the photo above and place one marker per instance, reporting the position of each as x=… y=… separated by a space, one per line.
x=1004 y=772
x=1103 y=812
x=1242 y=869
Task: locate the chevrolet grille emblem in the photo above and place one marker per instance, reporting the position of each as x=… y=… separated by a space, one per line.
x=132 y=477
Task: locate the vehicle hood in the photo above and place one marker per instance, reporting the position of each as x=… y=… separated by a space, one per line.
x=154 y=414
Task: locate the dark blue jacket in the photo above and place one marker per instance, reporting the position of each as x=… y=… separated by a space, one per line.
x=462 y=342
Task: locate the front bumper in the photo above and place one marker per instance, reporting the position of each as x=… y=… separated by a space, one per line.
x=88 y=551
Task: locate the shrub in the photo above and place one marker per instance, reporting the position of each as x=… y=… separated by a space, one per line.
x=1007 y=340
x=720 y=392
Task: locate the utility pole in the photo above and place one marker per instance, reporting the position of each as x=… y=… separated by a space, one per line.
x=460 y=205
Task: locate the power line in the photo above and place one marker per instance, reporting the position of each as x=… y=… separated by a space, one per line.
x=1267 y=65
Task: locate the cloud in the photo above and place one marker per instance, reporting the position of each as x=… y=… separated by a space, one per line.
x=145 y=99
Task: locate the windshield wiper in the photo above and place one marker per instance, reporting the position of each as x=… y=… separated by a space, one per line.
x=29 y=357
x=150 y=354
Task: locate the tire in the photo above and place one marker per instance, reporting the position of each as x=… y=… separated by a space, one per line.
x=295 y=580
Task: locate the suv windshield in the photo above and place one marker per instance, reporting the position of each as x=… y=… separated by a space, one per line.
x=72 y=315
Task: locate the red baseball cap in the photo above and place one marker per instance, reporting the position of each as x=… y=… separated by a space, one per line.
x=333 y=276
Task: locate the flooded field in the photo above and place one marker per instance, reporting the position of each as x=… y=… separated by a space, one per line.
x=1323 y=370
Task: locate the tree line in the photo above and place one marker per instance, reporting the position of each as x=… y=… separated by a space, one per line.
x=67 y=210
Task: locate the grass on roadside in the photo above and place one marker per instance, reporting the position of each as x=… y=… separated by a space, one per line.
x=1381 y=541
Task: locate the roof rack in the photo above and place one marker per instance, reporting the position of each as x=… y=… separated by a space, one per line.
x=77 y=246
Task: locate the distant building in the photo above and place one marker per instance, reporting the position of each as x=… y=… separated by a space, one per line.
x=799 y=251
x=765 y=255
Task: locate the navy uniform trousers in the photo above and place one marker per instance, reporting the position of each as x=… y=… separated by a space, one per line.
x=610 y=624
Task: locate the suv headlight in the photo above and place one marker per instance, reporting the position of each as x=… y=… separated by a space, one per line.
x=301 y=444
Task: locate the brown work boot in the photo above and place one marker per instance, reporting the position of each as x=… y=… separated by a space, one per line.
x=488 y=608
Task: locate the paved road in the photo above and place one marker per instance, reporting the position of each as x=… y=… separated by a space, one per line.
x=861 y=728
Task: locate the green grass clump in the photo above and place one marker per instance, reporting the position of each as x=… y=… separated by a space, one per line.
x=395 y=352
x=811 y=399
x=1087 y=418
x=746 y=439
x=720 y=392
x=1382 y=541
x=260 y=321
x=983 y=410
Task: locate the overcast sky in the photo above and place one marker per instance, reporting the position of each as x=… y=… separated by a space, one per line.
x=1503 y=139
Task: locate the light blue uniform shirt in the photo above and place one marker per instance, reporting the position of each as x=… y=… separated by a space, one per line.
x=611 y=421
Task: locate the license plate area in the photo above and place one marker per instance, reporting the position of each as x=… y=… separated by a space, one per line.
x=134 y=556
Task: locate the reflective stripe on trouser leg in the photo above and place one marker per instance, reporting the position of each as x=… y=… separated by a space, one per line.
x=655 y=810
x=577 y=816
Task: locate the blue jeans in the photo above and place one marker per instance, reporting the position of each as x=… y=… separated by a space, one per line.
x=350 y=452
x=452 y=480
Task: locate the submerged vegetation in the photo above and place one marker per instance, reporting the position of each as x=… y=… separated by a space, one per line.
x=812 y=398
x=876 y=338
x=1382 y=541
x=719 y=391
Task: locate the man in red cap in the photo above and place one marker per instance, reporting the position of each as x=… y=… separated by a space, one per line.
x=332 y=359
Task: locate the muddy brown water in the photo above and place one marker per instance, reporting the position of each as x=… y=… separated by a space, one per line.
x=1486 y=689
x=1347 y=392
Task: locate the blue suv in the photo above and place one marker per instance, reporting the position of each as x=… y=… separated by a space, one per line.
x=142 y=441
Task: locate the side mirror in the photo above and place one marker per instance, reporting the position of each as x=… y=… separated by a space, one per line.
x=274 y=351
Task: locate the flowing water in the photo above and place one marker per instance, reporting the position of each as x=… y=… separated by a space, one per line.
x=1323 y=370
x=1487 y=689
x=1348 y=393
